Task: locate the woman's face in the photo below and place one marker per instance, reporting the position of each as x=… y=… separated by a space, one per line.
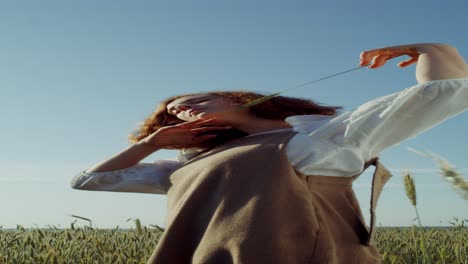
x=189 y=108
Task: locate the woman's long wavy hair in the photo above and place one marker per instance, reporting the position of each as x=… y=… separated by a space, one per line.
x=276 y=108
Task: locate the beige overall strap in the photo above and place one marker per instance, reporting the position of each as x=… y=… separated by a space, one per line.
x=379 y=178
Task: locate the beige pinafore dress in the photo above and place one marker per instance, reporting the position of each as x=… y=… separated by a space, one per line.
x=243 y=203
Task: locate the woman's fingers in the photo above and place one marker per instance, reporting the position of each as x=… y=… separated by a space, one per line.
x=186 y=134
x=196 y=122
x=366 y=57
x=201 y=138
x=369 y=57
x=194 y=129
x=204 y=129
x=377 y=57
x=379 y=60
x=208 y=123
x=374 y=58
x=407 y=62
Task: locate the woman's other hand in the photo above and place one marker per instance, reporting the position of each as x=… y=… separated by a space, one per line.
x=434 y=61
x=184 y=135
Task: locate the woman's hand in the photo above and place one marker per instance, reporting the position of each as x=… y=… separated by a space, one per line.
x=183 y=135
x=378 y=57
x=434 y=61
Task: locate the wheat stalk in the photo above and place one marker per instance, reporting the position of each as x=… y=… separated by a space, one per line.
x=448 y=172
x=410 y=189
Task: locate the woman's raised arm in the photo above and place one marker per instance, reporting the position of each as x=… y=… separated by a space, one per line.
x=442 y=92
x=434 y=61
x=183 y=135
x=125 y=159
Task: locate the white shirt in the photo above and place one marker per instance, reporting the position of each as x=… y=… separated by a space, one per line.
x=336 y=145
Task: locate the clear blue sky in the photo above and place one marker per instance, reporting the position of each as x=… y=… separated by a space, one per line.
x=77 y=77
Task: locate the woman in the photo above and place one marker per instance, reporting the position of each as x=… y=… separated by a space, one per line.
x=272 y=183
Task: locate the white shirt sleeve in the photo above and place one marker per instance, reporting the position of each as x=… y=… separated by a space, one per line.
x=340 y=145
x=390 y=119
x=141 y=178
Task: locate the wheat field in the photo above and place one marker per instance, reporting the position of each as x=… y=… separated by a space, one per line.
x=91 y=245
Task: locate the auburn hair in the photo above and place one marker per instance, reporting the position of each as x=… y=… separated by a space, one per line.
x=276 y=108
